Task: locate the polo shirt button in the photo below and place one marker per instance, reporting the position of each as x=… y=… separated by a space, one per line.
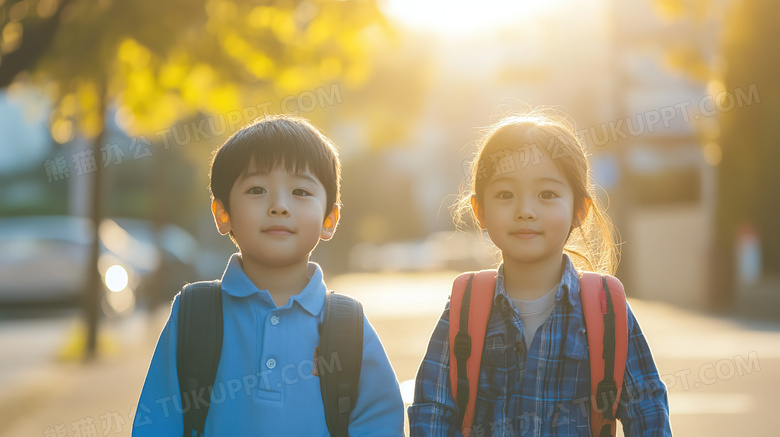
x=274 y=320
x=271 y=363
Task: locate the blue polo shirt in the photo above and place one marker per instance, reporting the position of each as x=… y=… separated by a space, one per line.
x=265 y=383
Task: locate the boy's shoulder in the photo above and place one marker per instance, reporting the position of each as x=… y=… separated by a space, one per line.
x=198 y=288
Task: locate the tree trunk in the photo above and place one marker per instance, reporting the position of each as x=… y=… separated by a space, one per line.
x=94 y=290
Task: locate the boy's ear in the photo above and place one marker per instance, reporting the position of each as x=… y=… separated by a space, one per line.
x=330 y=223
x=581 y=214
x=477 y=211
x=221 y=217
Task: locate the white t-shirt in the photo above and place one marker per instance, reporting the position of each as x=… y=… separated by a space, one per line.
x=533 y=313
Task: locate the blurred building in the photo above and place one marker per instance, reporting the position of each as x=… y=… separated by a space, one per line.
x=646 y=122
x=666 y=201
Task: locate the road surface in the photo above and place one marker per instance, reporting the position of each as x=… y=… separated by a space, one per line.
x=722 y=373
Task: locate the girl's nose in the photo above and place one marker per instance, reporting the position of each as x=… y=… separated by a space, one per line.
x=525 y=210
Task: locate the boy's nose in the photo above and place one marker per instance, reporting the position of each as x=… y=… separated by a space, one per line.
x=278 y=208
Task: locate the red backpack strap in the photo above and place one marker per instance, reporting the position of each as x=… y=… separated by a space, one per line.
x=606 y=323
x=470 y=304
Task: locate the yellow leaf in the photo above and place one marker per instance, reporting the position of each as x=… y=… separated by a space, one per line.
x=670 y=9
x=234 y=45
x=200 y=77
x=317 y=32
x=151 y=116
x=293 y=80
x=67 y=106
x=88 y=97
x=133 y=54
x=221 y=10
x=91 y=125
x=687 y=59
x=330 y=68
x=46 y=8
x=283 y=26
x=260 y=17
x=12 y=36
x=140 y=84
x=260 y=65
x=173 y=72
x=223 y=99
x=357 y=73
x=62 y=130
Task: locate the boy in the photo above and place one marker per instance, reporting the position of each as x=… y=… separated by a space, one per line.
x=275 y=191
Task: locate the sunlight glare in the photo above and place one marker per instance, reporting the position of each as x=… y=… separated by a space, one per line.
x=464 y=18
x=116 y=278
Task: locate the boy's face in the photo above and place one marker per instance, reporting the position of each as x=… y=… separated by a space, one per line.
x=277 y=217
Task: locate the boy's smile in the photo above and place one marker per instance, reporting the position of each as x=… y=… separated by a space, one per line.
x=278 y=230
x=277 y=217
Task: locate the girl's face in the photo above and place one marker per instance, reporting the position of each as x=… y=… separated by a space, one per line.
x=528 y=212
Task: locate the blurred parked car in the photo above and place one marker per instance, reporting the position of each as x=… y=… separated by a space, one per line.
x=177 y=261
x=43 y=260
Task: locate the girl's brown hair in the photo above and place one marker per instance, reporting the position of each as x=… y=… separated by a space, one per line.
x=590 y=243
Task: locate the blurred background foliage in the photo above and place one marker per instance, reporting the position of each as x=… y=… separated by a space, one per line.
x=677 y=103
x=751 y=141
x=403 y=88
x=166 y=61
x=747 y=139
x=164 y=64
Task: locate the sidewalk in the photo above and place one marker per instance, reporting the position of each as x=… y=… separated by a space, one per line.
x=761 y=300
x=64 y=397
x=96 y=399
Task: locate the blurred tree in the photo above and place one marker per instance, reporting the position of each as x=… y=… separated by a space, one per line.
x=18 y=54
x=693 y=44
x=749 y=183
x=393 y=97
x=160 y=62
x=377 y=122
x=738 y=62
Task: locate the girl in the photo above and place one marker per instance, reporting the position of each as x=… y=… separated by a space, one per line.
x=530 y=189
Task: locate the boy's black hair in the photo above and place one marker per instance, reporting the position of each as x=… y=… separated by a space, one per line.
x=276 y=142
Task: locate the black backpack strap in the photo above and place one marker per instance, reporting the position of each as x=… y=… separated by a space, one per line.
x=198 y=348
x=340 y=359
x=463 y=350
x=607 y=388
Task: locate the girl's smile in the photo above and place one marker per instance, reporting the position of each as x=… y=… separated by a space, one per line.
x=525 y=233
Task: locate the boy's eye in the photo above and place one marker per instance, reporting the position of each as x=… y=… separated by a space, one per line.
x=257 y=190
x=300 y=192
x=547 y=194
x=504 y=195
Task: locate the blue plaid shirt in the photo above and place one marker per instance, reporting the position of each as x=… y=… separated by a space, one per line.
x=541 y=389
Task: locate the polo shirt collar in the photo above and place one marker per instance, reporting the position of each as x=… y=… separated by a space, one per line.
x=568 y=286
x=312 y=298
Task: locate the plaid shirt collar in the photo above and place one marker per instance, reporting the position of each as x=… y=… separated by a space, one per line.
x=568 y=286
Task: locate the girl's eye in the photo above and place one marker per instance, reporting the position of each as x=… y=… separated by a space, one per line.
x=504 y=195
x=547 y=194
x=257 y=190
x=300 y=192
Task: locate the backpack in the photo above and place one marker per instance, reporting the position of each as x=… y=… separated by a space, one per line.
x=199 y=345
x=604 y=310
